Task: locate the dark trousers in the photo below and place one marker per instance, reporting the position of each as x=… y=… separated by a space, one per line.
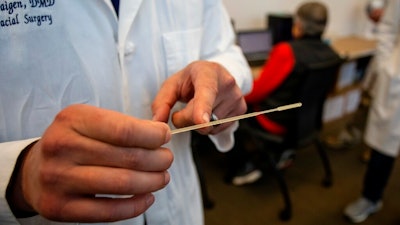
x=379 y=169
x=249 y=148
x=244 y=150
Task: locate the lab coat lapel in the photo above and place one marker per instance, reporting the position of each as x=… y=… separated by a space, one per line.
x=127 y=13
x=110 y=5
x=128 y=10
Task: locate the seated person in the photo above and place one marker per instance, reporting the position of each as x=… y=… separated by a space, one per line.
x=275 y=84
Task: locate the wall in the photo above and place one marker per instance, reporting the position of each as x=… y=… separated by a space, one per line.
x=346 y=16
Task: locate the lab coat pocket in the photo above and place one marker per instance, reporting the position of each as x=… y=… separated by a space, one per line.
x=181 y=48
x=390 y=77
x=387 y=92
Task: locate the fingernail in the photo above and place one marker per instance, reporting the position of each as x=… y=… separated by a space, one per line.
x=166 y=177
x=206 y=117
x=168 y=136
x=149 y=199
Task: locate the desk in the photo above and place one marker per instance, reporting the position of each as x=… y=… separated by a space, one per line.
x=357 y=51
x=349 y=47
x=256 y=70
x=354 y=47
x=346 y=97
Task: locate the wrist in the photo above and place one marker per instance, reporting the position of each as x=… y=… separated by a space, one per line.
x=14 y=194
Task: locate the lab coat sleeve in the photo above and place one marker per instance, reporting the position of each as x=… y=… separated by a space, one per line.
x=388 y=32
x=218 y=46
x=9 y=152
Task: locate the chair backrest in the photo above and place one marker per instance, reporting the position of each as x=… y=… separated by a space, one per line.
x=319 y=80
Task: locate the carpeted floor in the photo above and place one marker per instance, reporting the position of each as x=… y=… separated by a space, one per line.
x=260 y=203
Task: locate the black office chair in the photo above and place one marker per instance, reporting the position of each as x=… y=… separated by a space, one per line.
x=304 y=126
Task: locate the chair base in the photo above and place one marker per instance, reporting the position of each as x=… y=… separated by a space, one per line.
x=286 y=213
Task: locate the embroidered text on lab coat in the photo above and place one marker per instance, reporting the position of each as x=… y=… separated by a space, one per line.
x=14 y=13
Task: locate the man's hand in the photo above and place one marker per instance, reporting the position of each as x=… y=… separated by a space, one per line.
x=89 y=151
x=207 y=88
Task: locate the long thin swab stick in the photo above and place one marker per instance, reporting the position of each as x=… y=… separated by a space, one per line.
x=235 y=118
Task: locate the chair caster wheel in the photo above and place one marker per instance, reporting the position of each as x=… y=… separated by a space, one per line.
x=327 y=182
x=209 y=204
x=285 y=215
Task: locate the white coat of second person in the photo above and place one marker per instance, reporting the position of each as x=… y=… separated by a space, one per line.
x=383 y=127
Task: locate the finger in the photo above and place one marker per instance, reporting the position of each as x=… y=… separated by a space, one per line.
x=84 y=151
x=166 y=98
x=184 y=117
x=206 y=86
x=230 y=102
x=100 y=180
x=161 y=112
x=199 y=108
x=220 y=127
x=232 y=105
x=99 y=209
x=113 y=127
x=137 y=159
x=214 y=86
x=196 y=82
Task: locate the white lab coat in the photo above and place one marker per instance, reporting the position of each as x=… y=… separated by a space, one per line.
x=76 y=51
x=383 y=125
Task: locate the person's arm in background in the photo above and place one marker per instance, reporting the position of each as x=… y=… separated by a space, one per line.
x=388 y=31
x=276 y=69
x=387 y=36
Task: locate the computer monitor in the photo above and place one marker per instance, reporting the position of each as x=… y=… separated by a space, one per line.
x=280 y=25
x=255 y=44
